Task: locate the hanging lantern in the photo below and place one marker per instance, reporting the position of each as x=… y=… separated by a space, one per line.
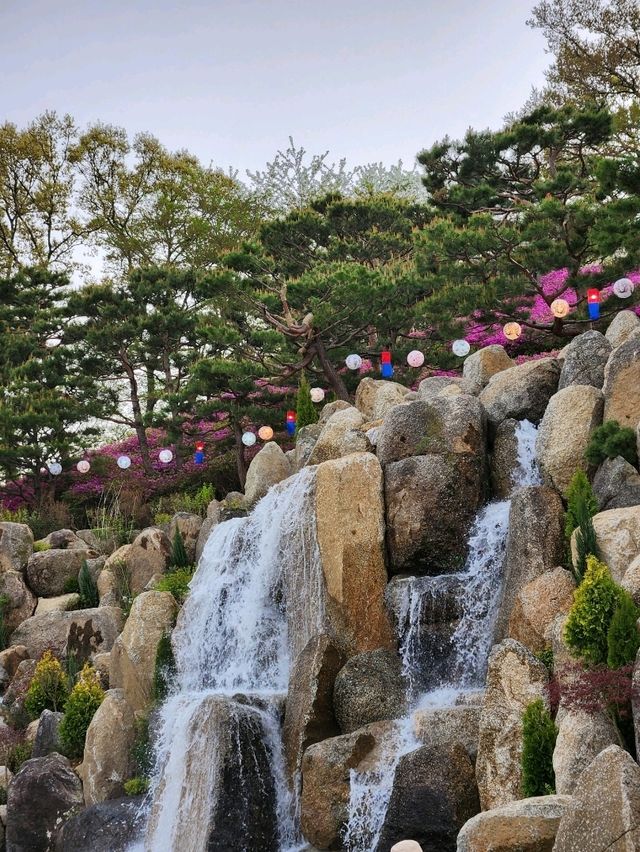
x=512 y=330
x=165 y=456
x=415 y=358
x=593 y=303
x=249 y=439
x=124 y=462
x=623 y=288
x=560 y=308
x=198 y=456
x=265 y=433
x=52 y=342
x=55 y=468
x=290 y=423
x=460 y=348
x=316 y=394
x=353 y=362
x=83 y=466
x=386 y=367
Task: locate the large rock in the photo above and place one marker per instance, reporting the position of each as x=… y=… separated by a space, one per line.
x=631 y=580
x=49 y=571
x=521 y=392
x=616 y=484
x=584 y=360
x=526 y=826
x=504 y=459
x=305 y=442
x=446 y=725
x=622 y=383
x=61 y=603
x=537 y=605
x=350 y=531
x=188 y=525
x=11 y=658
x=375 y=397
x=370 y=687
x=515 y=678
x=133 y=655
x=40 y=796
x=16 y=546
x=47 y=739
x=437 y=386
x=621 y=327
x=267 y=468
x=565 y=431
x=535 y=544
x=107 y=827
x=85 y=630
x=618 y=537
x=434 y=794
x=208 y=526
x=581 y=737
x=107 y=761
x=480 y=366
x=309 y=716
x=147 y=557
x=604 y=813
x=20 y=600
x=331 y=440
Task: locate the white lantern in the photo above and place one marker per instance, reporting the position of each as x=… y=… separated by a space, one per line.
x=560 y=308
x=265 y=433
x=415 y=358
x=623 y=288
x=353 y=362
x=83 y=466
x=316 y=394
x=249 y=439
x=55 y=468
x=52 y=342
x=124 y=462
x=165 y=456
x=460 y=348
x=512 y=330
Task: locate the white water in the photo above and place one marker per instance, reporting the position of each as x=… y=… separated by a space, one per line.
x=255 y=601
x=478 y=589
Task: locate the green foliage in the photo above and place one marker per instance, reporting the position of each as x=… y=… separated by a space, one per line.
x=71 y=586
x=5 y=602
x=176 y=582
x=179 y=556
x=611 y=440
x=579 y=494
x=120 y=571
x=586 y=541
x=594 y=603
x=18 y=755
x=87 y=587
x=546 y=658
x=85 y=698
x=538 y=741
x=141 y=751
x=305 y=409
x=136 y=786
x=41 y=546
x=623 y=639
x=49 y=686
x=196 y=503
x=164 y=670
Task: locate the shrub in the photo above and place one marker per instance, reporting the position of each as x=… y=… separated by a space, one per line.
x=594 y=603
x=176 y=582
x=579 y=494
x=165 y=669
x=41 y=546
x=305 y=409
x=88 y=589
x=136 y=786
x=546 y=658
x=623 y=639
x=538 y=741
x=71 y=586
x=141 y=751
x=4 y=632
x=120 y=571
x=162 y=519
x=586 y=542
x=49 y=686
x=85 y=698
x=611 y=440
x=179 y=556
x=17 y=756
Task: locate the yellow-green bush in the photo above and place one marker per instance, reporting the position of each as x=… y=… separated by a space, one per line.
x=594 y=603
x=85 y=698
x=49 y=686
x=176 y=582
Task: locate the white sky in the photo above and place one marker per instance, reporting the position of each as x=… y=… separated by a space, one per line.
x=230 y=80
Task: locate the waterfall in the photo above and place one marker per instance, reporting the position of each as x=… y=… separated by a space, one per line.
x=254 y=602
x=445 y=627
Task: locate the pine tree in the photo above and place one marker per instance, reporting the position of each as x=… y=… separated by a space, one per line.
x=539 y=735
x=305 y=409
x=623 y=639
x=579 y=494
x=179 y=556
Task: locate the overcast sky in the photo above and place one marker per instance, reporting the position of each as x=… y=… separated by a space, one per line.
x=230 y=80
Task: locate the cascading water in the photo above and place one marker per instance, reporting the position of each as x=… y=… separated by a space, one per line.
x=255 y=601
x=446 y=625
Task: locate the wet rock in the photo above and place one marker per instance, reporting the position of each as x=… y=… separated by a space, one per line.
x=434 y=794
x=480 y=366
x=565 y=431
x=208 y=526
x=107 y=761
x=47 y=740
x=188 y=524
x=522 y=392
x=376 y=397
x=584 y=360
x=537 y=605
x=85 y=631
x=581 y=738
x=41 y=795
x=16 y=546
x=369 y=688
x=604 y=812
x=618 y=537
x=444 y=726
x=267 y=468
x=21 y=602
x=616 y=484
x=329 y=444
x=526 y=826
x=621 y=327
x=106 y=827
x=622 y=383
x=515 y=678
x=49 y=571
x=504 y=459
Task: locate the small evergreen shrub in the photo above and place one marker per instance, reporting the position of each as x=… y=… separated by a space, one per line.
x=176 y=582
x=49 y=686
x=538 y=741
x=611 y=440
x=623 y=639
x=546 y=658
x=136 y=786
x=17 y=756
x=179 y=556
x=165 y=668
x=85 y=698
x=41 y=546
x=120 y=571
x=586 y=542
x=594 y=603
x=71 y=586
x=579 y=496
x=305 y=410
x=88 y=588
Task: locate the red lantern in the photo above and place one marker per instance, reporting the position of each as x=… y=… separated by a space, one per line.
x=291 y=417
x=199 y=446
x=593 y=296
x=593 y=303
x=385 y=357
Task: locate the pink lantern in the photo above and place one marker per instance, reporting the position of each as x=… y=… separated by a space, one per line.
x=415 y=358
x=83 y=466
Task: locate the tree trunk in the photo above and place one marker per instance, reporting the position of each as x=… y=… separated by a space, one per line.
x=331 y=374
x=138 y=418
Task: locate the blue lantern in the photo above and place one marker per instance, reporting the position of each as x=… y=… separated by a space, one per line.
x=386 y=367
